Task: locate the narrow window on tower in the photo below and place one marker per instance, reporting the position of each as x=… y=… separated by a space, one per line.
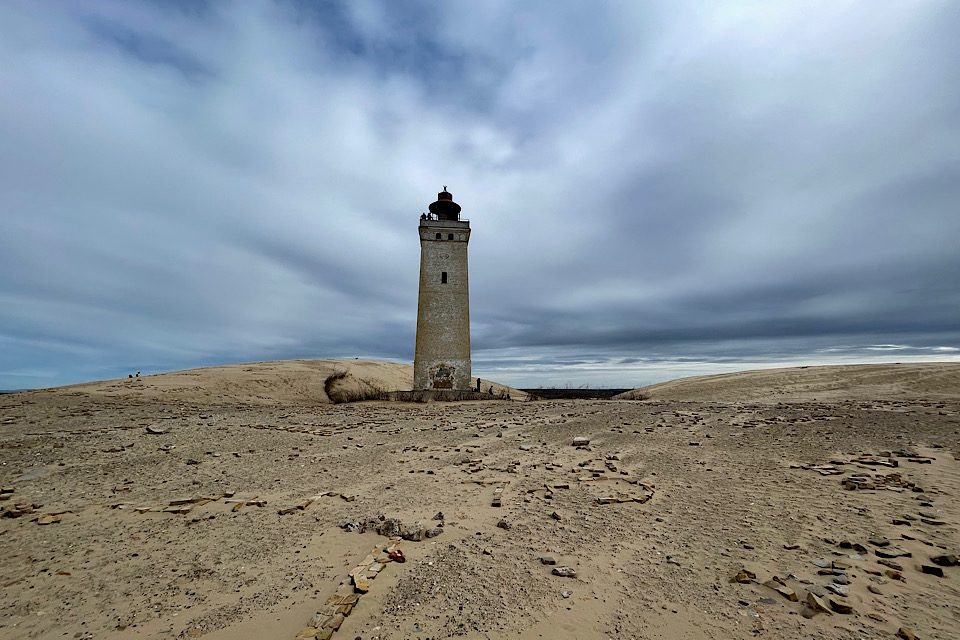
x=438 y=236
x=443 y=277
x=449 y=236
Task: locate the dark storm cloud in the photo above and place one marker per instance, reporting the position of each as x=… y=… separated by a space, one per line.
x=655 y=189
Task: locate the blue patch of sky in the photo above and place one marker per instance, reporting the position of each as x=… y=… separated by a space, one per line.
x=412 y=48
x=145 y=47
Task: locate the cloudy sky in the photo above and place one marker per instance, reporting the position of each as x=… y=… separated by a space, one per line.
x=656 y=189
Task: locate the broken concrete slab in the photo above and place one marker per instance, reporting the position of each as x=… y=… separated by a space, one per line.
x=783 y=590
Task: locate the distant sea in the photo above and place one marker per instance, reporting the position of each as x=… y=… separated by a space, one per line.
x=3 y=391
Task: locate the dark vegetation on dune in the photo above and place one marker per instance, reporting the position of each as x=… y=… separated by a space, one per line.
x=342 y=387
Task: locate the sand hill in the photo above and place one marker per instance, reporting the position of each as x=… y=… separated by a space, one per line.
x=235 y=503
x=285 y=382
x=802 y=384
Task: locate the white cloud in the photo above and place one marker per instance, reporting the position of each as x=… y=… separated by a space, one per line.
x=243 y=181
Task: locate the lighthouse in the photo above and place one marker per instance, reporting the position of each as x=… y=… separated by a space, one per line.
x=442 y=359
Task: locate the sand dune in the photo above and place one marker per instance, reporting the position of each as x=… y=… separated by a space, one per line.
x=290 y=382
x=234 y=503
x=802 y=384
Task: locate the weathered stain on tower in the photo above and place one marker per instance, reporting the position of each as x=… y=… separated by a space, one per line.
x=442 y=359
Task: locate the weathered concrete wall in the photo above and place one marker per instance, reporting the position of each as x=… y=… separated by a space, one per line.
x=442 y=359
x=440 y=395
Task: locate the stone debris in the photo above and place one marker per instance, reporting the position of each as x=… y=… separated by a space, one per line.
x=890 y=563
x=183 y=501
x=183 y=506
x=415 y=533
x=782 y=589
x=338 y=606
x=744 y=577
x=498 y=495
x=564 y=572
x=875 y=461
x=824 y=470
x=816 y=599
x=931 y=570
x=580 y=441
x=360 y=582
x=503 y=524
x=392 y=528
x=17 y=510
x=55 y=519
x=157 y=430
x=181 y=510
x=840 y=606
x=893 y=552
x=548 y=560
x=624 y=498
x=246 y=502
x=864 y=480
x=905 y=634
x=817 y=604
x=945 y=560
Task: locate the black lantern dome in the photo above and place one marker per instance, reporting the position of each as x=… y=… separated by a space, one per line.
x=445 y=208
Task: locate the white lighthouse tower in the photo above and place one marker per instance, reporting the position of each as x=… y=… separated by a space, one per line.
x=442 y=359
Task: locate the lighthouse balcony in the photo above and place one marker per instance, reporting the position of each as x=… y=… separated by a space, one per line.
x=433 y=223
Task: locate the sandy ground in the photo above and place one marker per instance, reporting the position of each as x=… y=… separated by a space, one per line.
x=921 y=381
x=287 y=382
x=732 y=485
